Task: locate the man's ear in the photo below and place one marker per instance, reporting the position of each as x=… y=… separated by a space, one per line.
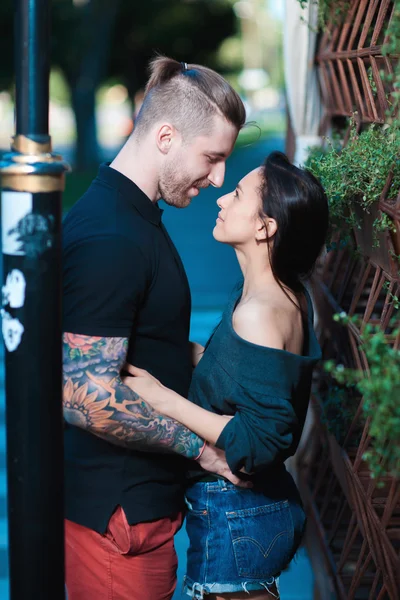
x=164 y=137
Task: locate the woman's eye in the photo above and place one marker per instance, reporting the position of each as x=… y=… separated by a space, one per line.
x=235 y=194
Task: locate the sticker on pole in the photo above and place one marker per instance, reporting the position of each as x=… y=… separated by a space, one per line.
x=25 y=232
x=15 y=207
x=12 y=330
x=13 y=291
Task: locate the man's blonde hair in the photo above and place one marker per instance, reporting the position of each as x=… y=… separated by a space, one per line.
x=189 y=96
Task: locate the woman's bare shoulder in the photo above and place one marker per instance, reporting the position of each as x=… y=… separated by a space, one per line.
x=258 y=322
x=271 y=320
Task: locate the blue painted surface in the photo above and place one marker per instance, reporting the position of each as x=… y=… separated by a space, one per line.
x=213 y=272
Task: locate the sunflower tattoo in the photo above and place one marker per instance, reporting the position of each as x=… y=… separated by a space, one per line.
x=96 y=400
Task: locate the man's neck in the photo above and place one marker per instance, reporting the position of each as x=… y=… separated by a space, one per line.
x=137 y=166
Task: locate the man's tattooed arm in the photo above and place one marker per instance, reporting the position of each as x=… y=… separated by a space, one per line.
x=95 y=399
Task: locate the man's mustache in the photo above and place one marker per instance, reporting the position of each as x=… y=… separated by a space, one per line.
x=202 y=184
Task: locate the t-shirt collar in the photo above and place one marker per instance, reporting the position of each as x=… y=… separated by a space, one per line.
x=148 y=209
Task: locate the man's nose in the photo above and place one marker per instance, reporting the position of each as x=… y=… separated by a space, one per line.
x=217 y=175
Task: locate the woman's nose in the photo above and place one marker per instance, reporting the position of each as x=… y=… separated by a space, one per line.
x=221 y=200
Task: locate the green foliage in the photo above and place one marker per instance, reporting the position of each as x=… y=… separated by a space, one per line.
x=392 y=47
x=59 y=88
x=354 y=177
x=328 y=10
x=187 y=31
x=357 y=174
x=338 y=410
x=230 y=54
x=381 y=392
x=394 y=299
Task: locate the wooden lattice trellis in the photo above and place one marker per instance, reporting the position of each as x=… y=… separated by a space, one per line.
x=352 y=64
x=354 y=526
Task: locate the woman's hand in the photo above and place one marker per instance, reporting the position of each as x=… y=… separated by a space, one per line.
x=147 y=387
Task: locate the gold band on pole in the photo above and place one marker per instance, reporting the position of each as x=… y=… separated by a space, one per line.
x=23 y=144
x=31 y=159
x=33 y=183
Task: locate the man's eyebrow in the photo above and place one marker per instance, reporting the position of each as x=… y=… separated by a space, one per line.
x=217 y=154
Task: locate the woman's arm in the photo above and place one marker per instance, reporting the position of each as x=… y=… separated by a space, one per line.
x=207 y=425
x=259 y=434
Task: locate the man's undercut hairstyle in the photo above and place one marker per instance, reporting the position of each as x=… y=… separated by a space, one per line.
x=189 y=96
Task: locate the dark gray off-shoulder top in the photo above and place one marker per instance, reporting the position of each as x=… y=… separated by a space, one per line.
x=266 y=389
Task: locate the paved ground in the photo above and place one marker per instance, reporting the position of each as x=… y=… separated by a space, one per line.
x=212 y=272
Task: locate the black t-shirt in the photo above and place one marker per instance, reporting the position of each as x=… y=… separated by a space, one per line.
x=124 y=278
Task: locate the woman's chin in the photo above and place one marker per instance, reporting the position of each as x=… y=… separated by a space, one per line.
x=216 y=235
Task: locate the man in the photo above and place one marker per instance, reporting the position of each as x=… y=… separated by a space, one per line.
x=126 y=297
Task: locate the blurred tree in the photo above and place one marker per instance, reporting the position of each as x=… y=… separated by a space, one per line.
x=81 y=45
x=187 y=30
x=94 y=40
x=6 y=44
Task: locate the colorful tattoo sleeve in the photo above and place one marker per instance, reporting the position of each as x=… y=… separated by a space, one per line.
x=95 y=399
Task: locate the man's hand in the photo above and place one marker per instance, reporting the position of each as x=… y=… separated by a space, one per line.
x=213 y=460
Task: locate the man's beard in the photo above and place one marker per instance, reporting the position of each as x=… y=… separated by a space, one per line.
x=174 y=189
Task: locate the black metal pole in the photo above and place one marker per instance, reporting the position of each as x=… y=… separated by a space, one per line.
x=32 y=180
x=32 y=66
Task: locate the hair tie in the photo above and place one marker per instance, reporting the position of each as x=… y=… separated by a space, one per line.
x=184 y=65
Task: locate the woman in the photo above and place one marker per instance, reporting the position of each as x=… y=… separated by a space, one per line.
x=250 y=390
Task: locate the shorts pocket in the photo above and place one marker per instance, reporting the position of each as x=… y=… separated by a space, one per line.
x=118 y=532
x=195 y=508
x=262 y=539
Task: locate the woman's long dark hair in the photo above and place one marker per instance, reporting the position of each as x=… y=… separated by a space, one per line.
x=298 y=203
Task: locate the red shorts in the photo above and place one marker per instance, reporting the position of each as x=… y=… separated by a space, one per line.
x=128 y=562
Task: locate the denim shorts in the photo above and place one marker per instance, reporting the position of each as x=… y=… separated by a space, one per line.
x=240 y=539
